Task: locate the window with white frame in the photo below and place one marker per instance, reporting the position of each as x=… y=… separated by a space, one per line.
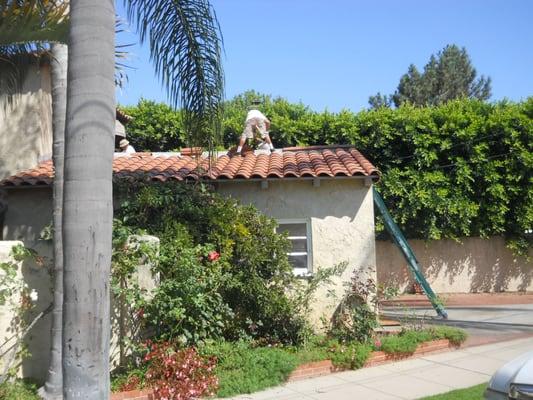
x=299 y=233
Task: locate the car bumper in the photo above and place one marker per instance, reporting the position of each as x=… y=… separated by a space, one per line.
x=495 y=395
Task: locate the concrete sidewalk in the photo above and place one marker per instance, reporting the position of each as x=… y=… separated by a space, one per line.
x=484 y=324
x=462 y=299
x=410 y=379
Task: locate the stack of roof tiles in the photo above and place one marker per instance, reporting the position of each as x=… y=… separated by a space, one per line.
x=293 y=162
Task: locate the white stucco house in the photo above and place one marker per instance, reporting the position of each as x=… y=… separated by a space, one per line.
x=321 y=195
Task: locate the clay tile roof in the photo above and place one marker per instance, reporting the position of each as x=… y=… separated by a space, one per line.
x=295 y=162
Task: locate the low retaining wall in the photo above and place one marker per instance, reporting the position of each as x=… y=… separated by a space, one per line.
x=473 y=265
x=326 y=367
x=312 y=370
x=146 y=394
x=436 y=346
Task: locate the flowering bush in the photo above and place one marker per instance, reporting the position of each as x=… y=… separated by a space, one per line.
x=179 y=374
x=213 y=256
x=224 y=272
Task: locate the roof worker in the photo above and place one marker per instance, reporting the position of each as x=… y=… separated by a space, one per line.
x=125 y=146
x=256 y=123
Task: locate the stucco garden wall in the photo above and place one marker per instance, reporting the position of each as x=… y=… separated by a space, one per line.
x=37 y=277
x=26 y=127
x=29 y=212
x=474 y=265
x=341 y=213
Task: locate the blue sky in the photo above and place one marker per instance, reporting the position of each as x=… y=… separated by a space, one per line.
x=334 y=54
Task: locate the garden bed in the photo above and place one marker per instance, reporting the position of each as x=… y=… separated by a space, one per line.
x=318 y=368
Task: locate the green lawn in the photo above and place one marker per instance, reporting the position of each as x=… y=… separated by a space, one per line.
x=471 y=393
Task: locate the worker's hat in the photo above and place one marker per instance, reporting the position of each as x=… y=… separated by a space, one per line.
x=124 y=143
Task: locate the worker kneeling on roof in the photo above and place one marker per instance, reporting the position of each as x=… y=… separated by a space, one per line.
x=256 y=124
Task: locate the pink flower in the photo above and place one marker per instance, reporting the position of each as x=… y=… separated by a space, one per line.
x=213 y=256
x=377 y=343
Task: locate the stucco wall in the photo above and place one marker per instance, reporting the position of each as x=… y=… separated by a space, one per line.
x=29 y=212
x=37 y=277
x=26 y=126
x=474 y=265
x=342 y=224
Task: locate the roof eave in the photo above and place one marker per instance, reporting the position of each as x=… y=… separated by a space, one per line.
x=374 y=177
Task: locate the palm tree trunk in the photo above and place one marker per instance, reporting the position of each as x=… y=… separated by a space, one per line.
x=87 y=208
x=53 y=387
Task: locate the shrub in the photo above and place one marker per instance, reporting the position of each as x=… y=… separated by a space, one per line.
x=404 y=343
x=350 y=355
x=124 y=379
x=244 y=369
x=354 y=319
x=223 y=269
x=155 y=127
x=179 y=374
x=407 y=341
x=459 y=169
x=454 y=335
x=18 y=390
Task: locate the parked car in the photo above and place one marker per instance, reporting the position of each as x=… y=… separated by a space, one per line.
x=513 y=381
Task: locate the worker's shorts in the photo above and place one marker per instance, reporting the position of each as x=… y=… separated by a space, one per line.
x=254 y=127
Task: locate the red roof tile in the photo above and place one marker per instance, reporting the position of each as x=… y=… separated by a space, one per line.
x=298 y=162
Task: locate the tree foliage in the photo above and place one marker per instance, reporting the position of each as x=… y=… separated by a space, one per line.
x=459 y=169
x=155 y=127
x=448 y=75
x=462 y=169
x=26 y=29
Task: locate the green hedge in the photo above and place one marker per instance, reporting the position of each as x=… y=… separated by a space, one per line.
x=461 y=169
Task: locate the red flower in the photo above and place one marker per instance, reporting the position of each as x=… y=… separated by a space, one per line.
x=213 y=256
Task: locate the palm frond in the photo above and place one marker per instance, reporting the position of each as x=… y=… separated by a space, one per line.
x=13 y=71
x=33 y=21
x=121 y=76
x=26 y=28
x=185 y=47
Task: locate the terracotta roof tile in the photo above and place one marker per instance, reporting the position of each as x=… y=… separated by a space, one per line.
x=298 y=162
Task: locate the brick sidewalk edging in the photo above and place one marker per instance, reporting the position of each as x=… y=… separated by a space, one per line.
x=145 y=394
x=326 y=367
x=320 y=368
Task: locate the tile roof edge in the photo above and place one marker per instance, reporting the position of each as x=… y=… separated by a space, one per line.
x=375 y=177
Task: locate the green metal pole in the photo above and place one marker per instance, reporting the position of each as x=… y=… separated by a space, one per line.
x=400 y=240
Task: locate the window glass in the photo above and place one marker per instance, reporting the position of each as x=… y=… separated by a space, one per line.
x=293 y=229
x=299 y=244
x=298 y=261
x=299 y=254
